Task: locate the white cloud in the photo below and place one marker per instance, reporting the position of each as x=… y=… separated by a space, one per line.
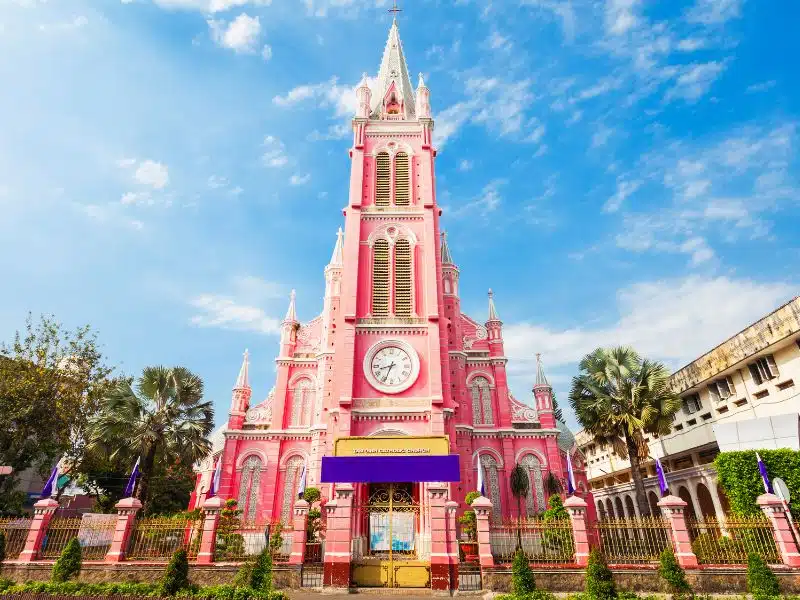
x=695 y=81
x=266 y=52
x=761 y=87
x=217 y=181
x=625 y=188
x=139 y=198
x=562 y=10
x=691 y=44
x=465 y=165
x=240 y=35
x=448 y=122
x=497 y=41
x=153 y=174
x=714 y=12
x=620 y=16
x=601 y=136
x=297 y=179
x=275 y=153
x=487 y=202
x=206 y=6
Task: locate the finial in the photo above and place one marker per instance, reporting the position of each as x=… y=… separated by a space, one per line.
x=291 y=314
x=243 y=381
x=363 y=82
x=421 y=81
x=492 y=310
x=541 y=379
x=394 y=10
x=337 y=258
x=447 y=258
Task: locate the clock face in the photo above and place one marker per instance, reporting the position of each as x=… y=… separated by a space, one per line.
x=391 y=366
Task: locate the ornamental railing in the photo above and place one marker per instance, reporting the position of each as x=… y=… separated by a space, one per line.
x=93 y=532
x=543 y=542
x=16 y=532
x=730 y=541
x=633 y=540
x=158 y=538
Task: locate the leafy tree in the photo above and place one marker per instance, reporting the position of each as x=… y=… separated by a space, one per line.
x=599 y=582
x=165 y=413
x=557 y=409
x=520 y=487
x=761 y=581
x=674 y=575
x=553 y=484
x=557 y=539
x=618 y=397
x=68 y=564
x=176 y=575
x=230 y=543
x=469 y=523
x=261 y=575
x=2 y=547
x=312 y=495
x=276 y=539
x=51 y=384
x=522 y=580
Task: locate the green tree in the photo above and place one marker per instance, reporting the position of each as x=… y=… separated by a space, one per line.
x=599 y=581
x=522 y=579
x=51 y=383
x=468 y=521
x=557 y=409
x=165 y=413
x=176 y=575
x=674 y=575
x=618 y=397
x=520 y=487
x=68 y=564
x=761 y=581
x=261 y=574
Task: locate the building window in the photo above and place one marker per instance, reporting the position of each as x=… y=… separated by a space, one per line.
x=763 y=369
x=302 y=396
x=380 y=278
x=721 y=389
x=402 y=279
x=492 y=484
x=294 y=468
x=481 y=402
x=691 y=404
x=383 y=181
x=401 y=188
x=249 y=488
x=534 y=502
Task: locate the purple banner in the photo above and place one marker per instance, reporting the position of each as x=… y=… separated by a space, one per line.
x=389 y=469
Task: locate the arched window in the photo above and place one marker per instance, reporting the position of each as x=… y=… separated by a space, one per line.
x=402 y=278
x=492 y=483
x=481 y=402
x=401 y=188
x=380 y=278
x=249 y=488
x=302 y=400
x=383 y=180
x=294 y=468
x=534 y=503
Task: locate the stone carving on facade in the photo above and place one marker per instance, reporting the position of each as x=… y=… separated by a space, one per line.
x=522 y=413
x=261 y=414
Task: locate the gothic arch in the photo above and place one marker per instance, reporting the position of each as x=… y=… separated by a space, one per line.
x=292 y=470
x=389 y=432
x=251 y=452
x=482 y=403
x=491 y=475
x=290 y=454
x=302 y=401
x=250 y=486
x=534 y=501
x=392 y=147
x=487 y=450
x=537 y=453
x=384 y=232
x=303 y=375
x=480 y=373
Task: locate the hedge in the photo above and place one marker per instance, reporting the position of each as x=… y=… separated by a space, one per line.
x=136 y=590
x=740 y=479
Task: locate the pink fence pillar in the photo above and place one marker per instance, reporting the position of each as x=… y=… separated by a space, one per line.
x=674 y=510
x=483 y=509
x=42 y=513
x=775 y=510
x=336 y=570
x=212 y=509
x=300 y=525
x=576 y=507
x=126 y=517
x=450 y=509
x=440 y=553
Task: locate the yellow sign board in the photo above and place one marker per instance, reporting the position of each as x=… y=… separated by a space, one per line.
x=392 y=446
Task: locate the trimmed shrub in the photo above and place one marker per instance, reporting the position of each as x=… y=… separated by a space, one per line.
x=674 y=575
x=2 y=546
x=599 y=583
x=142 y=590
x=261 y=576
x=244 y=574
x=68 y=564
x=761 y=581
x=176 y=575
x=276 y=539
x=522 y=580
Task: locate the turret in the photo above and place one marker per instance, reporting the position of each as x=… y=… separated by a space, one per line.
x=449 y=269
x=364 y=96
x=423 y=106
x=289 y=329
x=333 y=290
x=543 y=393
x=240 y=399
x=494 y=328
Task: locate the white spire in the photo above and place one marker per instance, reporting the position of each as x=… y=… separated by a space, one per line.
x=337 y=258
x=243 y=381
x=447 y=258
x=394 y=70
x=540 y=376
x=492 y=310
x=421 y=83
x=291 y=314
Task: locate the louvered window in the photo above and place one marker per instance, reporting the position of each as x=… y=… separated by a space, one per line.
x=721 y=389
x=401 y=195
x=402 y=278
x=764 y=369
x=301 y=403
x=380 y=278
x=692 y=404
x=383 y=180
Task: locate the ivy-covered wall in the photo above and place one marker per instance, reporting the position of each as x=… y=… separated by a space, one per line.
x=739 y=477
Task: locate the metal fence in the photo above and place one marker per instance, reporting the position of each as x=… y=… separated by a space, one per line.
x=543 y=542
x=16 y=532
x=633 y=540
x=93 y=532
x=729 y=542
x=469 y=567
x=158 y=538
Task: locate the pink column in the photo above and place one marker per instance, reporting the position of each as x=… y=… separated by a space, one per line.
x=212 y=508
x=450 y=509
x=126 y=517
x=775 y=510
x=336 y=571
x=674 y=509
x=440 y=555
x=483 y=509
x=300 y=524
x=576 y=507
x=42 y=513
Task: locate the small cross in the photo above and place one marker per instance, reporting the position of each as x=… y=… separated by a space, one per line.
x=394 y=10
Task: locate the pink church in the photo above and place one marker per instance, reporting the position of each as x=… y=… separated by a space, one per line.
x=391 y=358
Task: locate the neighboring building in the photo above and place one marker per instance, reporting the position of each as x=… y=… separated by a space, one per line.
x=391 y=360
x=741 y=395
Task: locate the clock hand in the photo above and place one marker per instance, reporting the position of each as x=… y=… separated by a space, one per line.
x=385 y=377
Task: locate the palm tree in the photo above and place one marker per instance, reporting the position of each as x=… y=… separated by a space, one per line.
x=618 y=397
x=163 y=415
x=520 y=486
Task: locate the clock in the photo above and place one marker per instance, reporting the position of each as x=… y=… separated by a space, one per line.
x=391 y=366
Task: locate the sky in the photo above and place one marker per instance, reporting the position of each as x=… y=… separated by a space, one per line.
x=617 y=171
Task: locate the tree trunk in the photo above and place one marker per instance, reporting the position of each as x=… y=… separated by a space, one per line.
x=143 y=489
x=519 y=523
x=636 y=475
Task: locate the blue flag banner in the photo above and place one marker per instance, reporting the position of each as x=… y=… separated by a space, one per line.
x=662 y=478
x=213 y=488
x=570 y=476
x=50 y=485
x=762 y=468
x=301 y=487
x=481 y=486
x=131 y=485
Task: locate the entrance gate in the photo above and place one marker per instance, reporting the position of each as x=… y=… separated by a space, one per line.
x=389 y=553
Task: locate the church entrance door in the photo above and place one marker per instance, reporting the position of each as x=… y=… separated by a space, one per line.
x=390 y=550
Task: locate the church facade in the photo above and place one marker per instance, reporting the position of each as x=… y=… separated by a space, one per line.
x=391 y=356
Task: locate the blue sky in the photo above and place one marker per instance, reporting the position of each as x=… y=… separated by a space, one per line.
x=618 y=171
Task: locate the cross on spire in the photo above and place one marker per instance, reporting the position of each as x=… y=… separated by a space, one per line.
x=394 y=10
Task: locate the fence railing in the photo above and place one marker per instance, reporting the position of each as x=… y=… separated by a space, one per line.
x=94 y=535
x=633 y=540
x=16 y=532
x=159 y=538
x=543 y=542
x=729 y=542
